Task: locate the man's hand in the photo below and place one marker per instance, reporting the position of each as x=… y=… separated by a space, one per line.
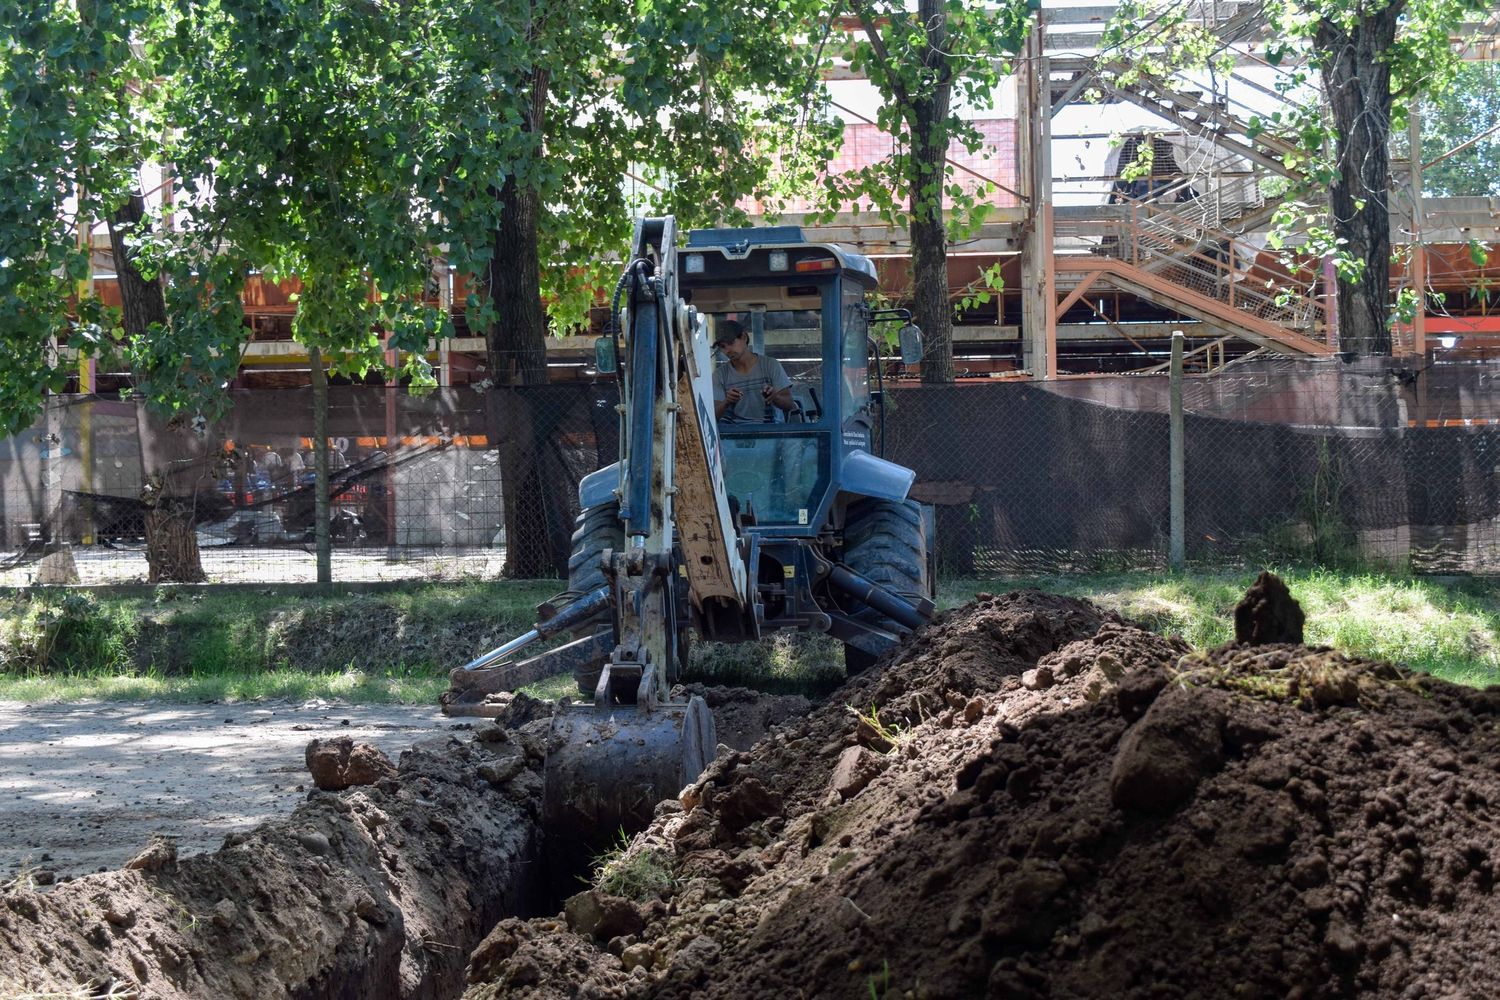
x=721 y=406
x=779 y=398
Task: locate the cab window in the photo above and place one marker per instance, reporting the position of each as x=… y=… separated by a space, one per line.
x=854 y=369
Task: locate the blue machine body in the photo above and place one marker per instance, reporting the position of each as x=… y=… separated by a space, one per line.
x=791 y=480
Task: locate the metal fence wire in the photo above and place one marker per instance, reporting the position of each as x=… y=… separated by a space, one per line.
x=1367 y=462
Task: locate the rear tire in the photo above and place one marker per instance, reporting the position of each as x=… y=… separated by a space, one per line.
x=886 y=542
x=598 y=528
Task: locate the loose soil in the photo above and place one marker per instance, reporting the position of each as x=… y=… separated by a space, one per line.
x=1034 y=798
x=376 y=891
x=1031 y=798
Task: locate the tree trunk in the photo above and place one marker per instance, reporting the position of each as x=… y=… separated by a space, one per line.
x=171 y=530
x=172 y=543
x=517 y=348
x=1357 y=81
x=320 y=466
x=141 y=302
x=930 y=307
x=517 y=341
x=926 y=173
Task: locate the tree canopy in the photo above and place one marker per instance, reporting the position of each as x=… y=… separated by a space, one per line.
x=63 y=120
x=930 y=65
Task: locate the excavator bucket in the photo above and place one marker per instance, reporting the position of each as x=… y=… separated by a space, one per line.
x=608 y=767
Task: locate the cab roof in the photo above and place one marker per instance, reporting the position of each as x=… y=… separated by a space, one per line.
x=739 y=242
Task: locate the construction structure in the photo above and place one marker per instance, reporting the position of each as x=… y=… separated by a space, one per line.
x=1099 y=264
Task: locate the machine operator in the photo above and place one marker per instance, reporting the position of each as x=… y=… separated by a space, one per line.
x=751 y=387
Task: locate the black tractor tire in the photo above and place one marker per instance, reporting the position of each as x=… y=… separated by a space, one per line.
x=886 y=542
x=598 y=528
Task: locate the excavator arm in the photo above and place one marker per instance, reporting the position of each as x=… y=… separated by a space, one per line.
x=673 y=502
x=613 y=757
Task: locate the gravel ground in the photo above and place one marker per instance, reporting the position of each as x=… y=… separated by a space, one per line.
x=99 y=566
x=82 y=786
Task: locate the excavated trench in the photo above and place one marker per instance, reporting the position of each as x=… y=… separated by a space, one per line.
x=376 y=890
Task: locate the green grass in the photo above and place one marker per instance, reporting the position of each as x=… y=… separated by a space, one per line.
x=233 y=645
x=784 y=663
x=553 y=688
x=392 y=687
x=1443 y=626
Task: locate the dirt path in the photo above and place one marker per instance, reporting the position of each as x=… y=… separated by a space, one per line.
x=82 y=786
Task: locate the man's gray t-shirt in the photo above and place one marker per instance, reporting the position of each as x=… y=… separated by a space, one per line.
x=752 y=406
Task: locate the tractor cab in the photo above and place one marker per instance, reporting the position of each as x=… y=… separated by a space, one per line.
x=805 y=498
x=803 y=304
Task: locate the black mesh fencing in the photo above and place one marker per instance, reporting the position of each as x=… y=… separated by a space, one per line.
x=1366 y=463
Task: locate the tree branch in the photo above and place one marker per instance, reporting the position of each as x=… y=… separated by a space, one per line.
x=883 y=56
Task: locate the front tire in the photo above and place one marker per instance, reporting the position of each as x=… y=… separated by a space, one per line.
x=598 y=528
x=886 y=542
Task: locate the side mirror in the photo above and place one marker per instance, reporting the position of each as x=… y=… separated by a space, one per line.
x=910 y=339
x=605 y=361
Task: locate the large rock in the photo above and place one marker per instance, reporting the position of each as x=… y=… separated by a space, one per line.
x=58 y=568
x=341 y=763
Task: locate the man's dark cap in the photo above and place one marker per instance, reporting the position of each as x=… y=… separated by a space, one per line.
x=729 y=329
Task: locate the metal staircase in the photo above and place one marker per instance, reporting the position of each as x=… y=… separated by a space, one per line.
x=1190 y=235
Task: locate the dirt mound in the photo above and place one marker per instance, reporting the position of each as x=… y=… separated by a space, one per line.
x=1034 y=798
x=743 y=716
x=374 y=891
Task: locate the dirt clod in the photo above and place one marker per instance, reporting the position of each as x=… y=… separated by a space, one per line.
x=1268 y=613
x=339 y=763
x=599 y=915
x=159 y=855
x=856 y=768
x=1037 y=680
x=746 y=801
x=1162 y=757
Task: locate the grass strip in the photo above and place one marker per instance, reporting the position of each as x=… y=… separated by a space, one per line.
x=237 y=646
x=1444 y=626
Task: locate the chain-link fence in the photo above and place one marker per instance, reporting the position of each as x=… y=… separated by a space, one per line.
x=1369 y=462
